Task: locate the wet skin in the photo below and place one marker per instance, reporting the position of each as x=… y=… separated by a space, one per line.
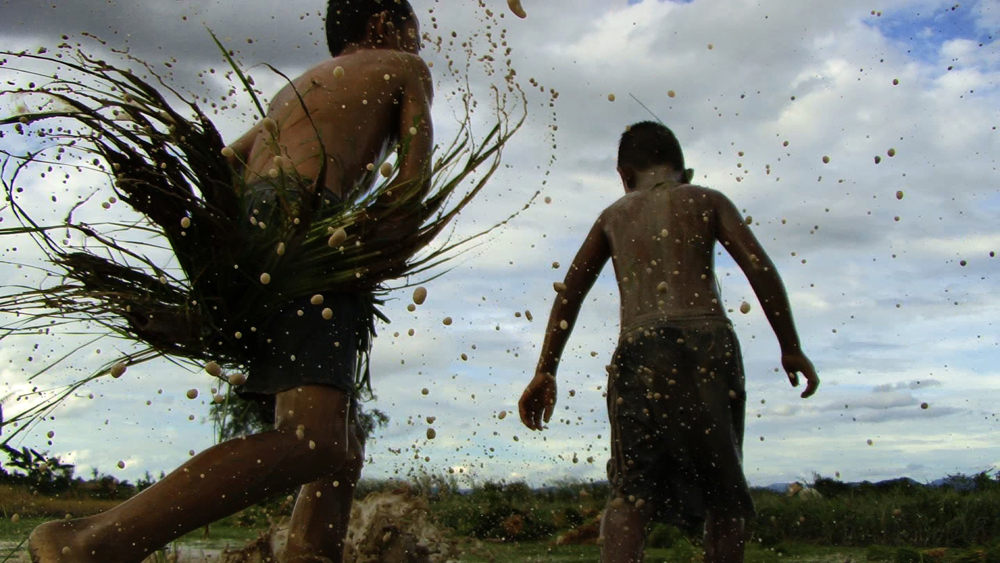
x=661 y=239
x=358 y=117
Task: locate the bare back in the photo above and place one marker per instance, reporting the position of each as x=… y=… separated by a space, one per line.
x=661 y=241
x=358 y=105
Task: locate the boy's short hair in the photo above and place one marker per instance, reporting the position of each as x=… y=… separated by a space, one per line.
x=347 y=20
x=647 y=144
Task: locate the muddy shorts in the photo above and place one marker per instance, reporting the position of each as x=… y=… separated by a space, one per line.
x=676 y=400
x=297 y=346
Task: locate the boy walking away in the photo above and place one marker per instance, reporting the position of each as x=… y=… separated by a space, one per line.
x=317 y=142
x=675 y=390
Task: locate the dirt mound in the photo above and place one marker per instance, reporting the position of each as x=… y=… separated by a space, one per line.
x=392 y=527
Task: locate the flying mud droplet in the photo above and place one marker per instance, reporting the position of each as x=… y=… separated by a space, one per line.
x=270 y=125
x=420 y=295
x=826 y=160
x=563 y=325
x=185 y=222
x=555 y=265
x=328 y=313
x=611 y=97
x=527 y=315
x=744 y=307
x=465 y=357
x=662 y=287
x=515 y=6
x=338 y=72
x=237 y=379
x=15 y=518
x=337 y=238
x=413 y=130
x=502 y=415
x=431 y=434
x=213 y=369
x=548 y=199
x=121 y=465
x=281 y=249
x=559 y=287
x=870 y=443
x=411 y=307
x=899 y=194
x=118 y=369
x=192 y=394
x=228 y=152
x=316 y=299
x=385 y=169
x=217 y=398
x=425 y=391
x=265 y=278
x=671 y=93
x=447 y=321
x=891 y=152
x=431 y=419
x=895 y=82
x=924 y=406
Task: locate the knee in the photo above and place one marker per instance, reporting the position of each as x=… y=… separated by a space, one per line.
x=322 y=450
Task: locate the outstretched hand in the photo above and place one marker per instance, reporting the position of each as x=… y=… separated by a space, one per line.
x=794 y=364
x=538 y=401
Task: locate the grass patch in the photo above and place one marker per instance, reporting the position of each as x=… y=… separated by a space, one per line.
x=19 y=500
x=539 y=552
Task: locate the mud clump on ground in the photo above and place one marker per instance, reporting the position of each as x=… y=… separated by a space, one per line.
x=388 y=527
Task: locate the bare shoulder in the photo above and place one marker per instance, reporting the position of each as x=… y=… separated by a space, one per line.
x=412 y=69
x=712 y=198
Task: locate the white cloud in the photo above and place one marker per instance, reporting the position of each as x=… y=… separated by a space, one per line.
x=839 y=64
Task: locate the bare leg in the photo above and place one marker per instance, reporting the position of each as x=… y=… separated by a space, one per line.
x=624 y=531
x=216 y=483
x=724 y=541
x=323 y=510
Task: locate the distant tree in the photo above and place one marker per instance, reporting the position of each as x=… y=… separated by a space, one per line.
x=144 y=482
x=830 y=488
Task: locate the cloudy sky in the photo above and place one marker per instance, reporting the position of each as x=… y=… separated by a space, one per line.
x=891 y=296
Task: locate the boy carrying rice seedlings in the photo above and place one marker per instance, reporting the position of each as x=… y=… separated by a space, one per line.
x=675 y=393
x=328 y=126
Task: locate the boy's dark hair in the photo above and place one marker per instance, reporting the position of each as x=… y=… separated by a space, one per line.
x=647 y=144
x=347 y=20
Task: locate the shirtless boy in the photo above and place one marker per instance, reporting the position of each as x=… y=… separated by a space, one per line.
x=675 y=392
x=374 y=92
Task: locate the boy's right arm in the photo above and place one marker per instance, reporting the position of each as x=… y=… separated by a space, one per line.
x=734 y=234
x=415 y=134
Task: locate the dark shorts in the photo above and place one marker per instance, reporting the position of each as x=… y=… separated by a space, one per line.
x=297 y=346
x=676 y=400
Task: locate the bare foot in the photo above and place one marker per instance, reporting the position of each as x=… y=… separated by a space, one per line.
x=58 y=542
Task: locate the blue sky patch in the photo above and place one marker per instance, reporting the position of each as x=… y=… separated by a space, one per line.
x=923 y=33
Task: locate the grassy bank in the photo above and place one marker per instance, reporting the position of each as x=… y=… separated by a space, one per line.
x=901 y=522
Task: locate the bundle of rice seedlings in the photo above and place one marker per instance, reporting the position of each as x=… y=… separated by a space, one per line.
x=168 y=165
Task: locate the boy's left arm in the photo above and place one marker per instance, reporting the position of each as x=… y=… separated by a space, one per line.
x=539 y=398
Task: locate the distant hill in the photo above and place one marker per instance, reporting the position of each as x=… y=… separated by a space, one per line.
x=961 y=483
